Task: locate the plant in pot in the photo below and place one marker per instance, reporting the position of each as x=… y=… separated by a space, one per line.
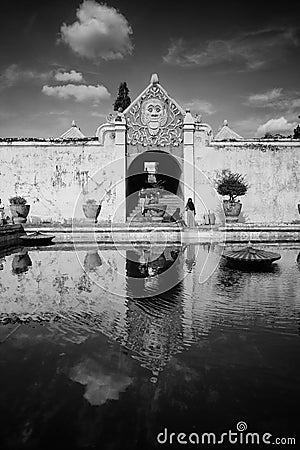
x=19 y=209
x=233 y=185
x=91 y=209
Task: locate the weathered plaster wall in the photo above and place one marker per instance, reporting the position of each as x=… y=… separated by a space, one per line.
x=270 y=167
x=57 y=177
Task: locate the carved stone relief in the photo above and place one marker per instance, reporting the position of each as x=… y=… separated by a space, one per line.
x=154 y=120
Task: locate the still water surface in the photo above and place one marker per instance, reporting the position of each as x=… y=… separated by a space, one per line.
x=104 y=348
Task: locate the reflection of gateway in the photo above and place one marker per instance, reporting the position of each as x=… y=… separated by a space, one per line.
x=155 y=329
x=147 y=262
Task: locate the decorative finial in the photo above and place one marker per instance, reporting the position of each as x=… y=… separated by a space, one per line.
x=73 y=123
x=154 y=78
x=225 y=123
x=198 y=118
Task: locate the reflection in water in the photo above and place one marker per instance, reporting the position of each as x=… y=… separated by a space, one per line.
x=210 y=347
x=154 y=328
x=102 y=384
x=21 y=262
x=92 y=260
x=190 y=257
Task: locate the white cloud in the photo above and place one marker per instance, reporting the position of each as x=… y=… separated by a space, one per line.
x=100 y=32
x=200 y=106
x=274 y=126
x=265 y=98
x=80 y=92
x=75 y=77
x=250 y=51
x=13 y=75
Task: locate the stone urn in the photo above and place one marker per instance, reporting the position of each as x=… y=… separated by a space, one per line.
x=91 y=210
x=232 y=210
x=19 y=209
x=20 y=263
x=157 y=211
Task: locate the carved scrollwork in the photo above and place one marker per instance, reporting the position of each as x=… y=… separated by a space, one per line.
x=154 y=120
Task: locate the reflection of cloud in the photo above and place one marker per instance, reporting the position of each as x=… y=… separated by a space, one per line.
x=100 y=32
x=100 y=387
x=79 y=92
x=251 y=50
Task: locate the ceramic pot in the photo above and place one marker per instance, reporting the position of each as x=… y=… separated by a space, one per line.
x=91 y=211
x=232 y=210
x=19 y=213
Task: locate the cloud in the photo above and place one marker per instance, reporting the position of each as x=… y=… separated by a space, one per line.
x=265 y=98
x=274 y=126
x=14 y=75
x=75 y=77
x=80 y=92
x=200 y=106
x=100 y=32
x=250 y=51
x=277 y=99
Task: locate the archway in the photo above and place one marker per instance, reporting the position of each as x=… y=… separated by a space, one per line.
x=149 y=168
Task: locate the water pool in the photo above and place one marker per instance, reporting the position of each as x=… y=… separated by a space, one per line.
x=107 y=348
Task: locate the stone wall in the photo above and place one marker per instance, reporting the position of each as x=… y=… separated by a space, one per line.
x=56 y=176
x=271 y=168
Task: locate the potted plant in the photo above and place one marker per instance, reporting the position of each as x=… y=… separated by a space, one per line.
x=91 y=209
x=233 y=185
x=19 y=209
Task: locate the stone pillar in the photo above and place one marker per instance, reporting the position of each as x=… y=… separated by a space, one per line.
x=188 y=156
x=120 y=145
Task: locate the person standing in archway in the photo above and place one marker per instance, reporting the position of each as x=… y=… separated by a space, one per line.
x=190 y=213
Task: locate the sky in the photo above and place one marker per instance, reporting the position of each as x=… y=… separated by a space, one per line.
x=64 y=60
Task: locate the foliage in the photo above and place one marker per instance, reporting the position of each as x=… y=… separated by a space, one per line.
x=297 y=132
x=17 y=200
x=269 y=135
x=231 y=184
x=123 y=100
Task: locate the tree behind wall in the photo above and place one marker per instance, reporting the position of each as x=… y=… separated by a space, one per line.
x=123 y=100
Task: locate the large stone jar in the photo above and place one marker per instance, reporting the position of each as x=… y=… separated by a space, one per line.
x=232 y=210
x=91 y=210
x=19 y=209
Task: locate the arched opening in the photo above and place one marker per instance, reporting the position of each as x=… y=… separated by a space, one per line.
x=152 y=168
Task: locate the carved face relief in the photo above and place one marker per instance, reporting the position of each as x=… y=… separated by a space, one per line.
x=154 y=114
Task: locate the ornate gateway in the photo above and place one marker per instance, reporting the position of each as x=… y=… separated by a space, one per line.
x=154 y=120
